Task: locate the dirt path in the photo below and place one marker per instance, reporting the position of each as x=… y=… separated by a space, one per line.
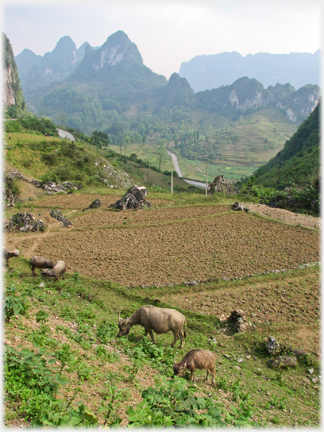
x=285 y=215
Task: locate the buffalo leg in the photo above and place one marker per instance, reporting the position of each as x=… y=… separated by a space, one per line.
x=181 y=338
x=151 y=334
x=176 y=336
x=192 y=374
x=207 y=374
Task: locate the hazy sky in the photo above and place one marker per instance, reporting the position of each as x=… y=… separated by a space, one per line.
x=168 y=32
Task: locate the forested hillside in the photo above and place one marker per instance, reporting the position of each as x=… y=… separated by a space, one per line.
x=299 y=161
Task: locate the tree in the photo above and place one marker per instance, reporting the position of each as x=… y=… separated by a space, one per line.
x=62 y=118
x=99 y=139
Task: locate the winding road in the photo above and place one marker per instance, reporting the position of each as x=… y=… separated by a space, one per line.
x=178 y=171
x=65 y=135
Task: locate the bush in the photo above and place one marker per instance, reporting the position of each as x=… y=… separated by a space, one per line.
x=12 y=126
x=44 y=124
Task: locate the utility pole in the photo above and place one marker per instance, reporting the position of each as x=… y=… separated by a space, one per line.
x=207 y=178
x=172 y=182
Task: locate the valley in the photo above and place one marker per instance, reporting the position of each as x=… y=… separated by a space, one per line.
x=246 y=277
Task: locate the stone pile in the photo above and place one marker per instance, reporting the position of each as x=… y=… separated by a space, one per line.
x=284 y=356
x=282 y=361
x=95 y=204
x=238 y=321
x=220 y=185
x=49 y=187
x=135 y=198
x=57 y=214
x=24 y=222
x=53 y=188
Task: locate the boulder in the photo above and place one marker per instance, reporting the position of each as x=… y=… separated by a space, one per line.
x=238 y=321
x=220 y=185
x=283 y=361
x=135 y=198
x=57 y=214
x=272 y=345
x=95 y=204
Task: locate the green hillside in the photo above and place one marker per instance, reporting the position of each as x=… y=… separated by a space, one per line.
x=298 y=163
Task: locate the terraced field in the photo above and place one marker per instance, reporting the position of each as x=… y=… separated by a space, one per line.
x=169 y=245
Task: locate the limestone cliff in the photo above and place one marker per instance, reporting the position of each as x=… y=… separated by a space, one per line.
x=11 y=91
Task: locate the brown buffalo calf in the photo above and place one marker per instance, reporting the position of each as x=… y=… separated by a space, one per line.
x=197 y=359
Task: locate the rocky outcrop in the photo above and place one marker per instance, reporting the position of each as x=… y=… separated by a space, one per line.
x=220 y=185
x=56 y=214
x=11 y=91
x=237 y=321
x=283 y=361
x=95 y=204
x=49 y=187
x=135 y=198
x=24 y=222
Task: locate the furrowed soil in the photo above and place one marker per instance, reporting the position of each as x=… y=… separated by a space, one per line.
x=172 y=245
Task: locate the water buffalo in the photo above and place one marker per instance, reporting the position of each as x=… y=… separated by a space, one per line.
x=40 y=262
x=160 y=320
x=197 y=359
x=57 y=271
x=9 y=254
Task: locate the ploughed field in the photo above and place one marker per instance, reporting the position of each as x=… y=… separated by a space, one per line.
x=166 y=245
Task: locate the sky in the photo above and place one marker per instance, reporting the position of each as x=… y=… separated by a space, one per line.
x=166 y=32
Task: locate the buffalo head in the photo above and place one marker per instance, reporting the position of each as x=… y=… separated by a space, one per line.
x=178 y=368
x=124 y=326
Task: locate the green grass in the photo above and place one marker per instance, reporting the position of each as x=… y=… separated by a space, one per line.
x=77 y=320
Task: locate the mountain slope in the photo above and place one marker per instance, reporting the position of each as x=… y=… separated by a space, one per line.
x=177 y=94
x=298 y=162
x=247 y=94
x=212 y=71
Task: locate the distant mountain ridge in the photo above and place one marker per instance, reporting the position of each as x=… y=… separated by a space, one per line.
x=93 y=85
x=36 y=71
x=205 y=72
x=247 y=94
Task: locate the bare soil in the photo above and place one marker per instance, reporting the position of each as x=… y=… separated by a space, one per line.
x=290 y=305
x=161 y=246
x=285 y=216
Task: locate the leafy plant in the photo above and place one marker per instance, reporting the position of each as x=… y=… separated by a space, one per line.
x=173 y=403
x=14 y=304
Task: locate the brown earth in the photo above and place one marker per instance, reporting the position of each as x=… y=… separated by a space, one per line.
x=169 y=245
x=290 y=305
x=285 y=216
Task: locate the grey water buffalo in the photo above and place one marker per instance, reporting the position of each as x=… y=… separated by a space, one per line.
x=160 y=320
x=197 y=359
x=40 y=262
x=10 y=254
x=57 y=271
